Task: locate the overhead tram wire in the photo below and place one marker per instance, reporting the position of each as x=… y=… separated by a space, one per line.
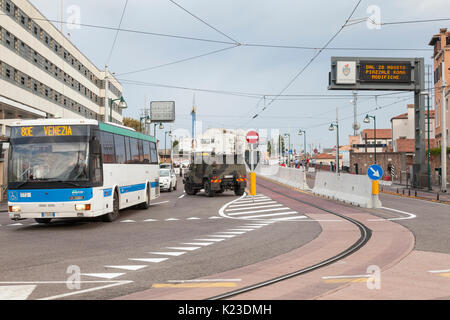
x=117 y=33
x=235 y=43
x=204 y=22
x=256 y=95
x=178 y=61
x=309 y=63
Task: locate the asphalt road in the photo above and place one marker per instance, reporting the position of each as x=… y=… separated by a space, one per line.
x=175 y=233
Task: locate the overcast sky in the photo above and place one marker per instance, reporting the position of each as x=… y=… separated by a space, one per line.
x=257 y=70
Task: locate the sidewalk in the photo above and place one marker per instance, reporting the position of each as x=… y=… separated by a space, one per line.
x=401 y=190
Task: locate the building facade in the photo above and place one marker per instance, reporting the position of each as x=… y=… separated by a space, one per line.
x=403 y=129
x=42 y=74
x=441 y=57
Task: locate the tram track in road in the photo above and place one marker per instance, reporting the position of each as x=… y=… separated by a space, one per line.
x=365 y=235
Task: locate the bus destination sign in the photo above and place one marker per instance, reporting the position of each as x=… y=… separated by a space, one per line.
x=48 y=131
x=396 y=72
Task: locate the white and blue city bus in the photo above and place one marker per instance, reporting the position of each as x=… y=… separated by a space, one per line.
x=60 y=168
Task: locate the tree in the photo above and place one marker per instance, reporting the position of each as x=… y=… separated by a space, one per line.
x=132 y=123
x=269 y=148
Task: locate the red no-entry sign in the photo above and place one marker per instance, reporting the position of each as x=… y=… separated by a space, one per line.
x=252 y=137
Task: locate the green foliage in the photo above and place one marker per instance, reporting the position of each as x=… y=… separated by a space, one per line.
x=437 y=151
x=131 y=123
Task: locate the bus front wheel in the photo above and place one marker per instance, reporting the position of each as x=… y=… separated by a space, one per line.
x=110 y=217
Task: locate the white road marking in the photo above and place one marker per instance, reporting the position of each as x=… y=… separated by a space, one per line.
x=181 y=196
x=241 y=229
x=257 y=226
x=257 y=207
x=150 y=220
x=152 y=204
x=214 y=240
x=289 y=218
x=173 y=253
x=116 y=283
x=251 y=201
x=14 y=224
x=184 y=248
x=193 y=218
x=232 y=232
x=222 y=236
x=204 y=280
x=439 y=271
x=130 y=267
x=215 y=217
x=172 y=219
x=21 y=292
x=257 y=211
x=251 y=204
x=409 y=215
x=152 y=260
x=127 y=221
x=271 y=215
x=103 y=275
x=198 y=243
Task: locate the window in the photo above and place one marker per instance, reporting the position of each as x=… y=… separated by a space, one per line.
x=134 y=151
x=153 y=153
x=107 y=142
x=146 y=151
x=127 y=149
x=141 y=151
x=119 y=142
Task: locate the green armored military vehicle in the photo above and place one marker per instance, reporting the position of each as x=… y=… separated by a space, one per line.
x=215 y=174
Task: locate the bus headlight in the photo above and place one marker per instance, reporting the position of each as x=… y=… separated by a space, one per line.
x=14 y=209
x=82 y=207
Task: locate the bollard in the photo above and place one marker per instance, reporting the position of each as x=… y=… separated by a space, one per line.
x=409 y=192
x=252 y=183
x=375 y=192
x=437 y=196
x=415 y=193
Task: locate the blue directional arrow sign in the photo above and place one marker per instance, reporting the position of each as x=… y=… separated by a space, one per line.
x=375 y=172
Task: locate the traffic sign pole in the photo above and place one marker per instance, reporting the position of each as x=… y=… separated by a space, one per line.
x=375 y=172
x=252 y=138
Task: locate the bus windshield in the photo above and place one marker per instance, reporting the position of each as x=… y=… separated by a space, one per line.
x=56 y=161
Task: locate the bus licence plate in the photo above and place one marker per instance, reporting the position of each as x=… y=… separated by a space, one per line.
x=47 y=214
x=228 y=177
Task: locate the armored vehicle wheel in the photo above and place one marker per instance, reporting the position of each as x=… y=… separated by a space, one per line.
x=189 y=189
x=239 y=191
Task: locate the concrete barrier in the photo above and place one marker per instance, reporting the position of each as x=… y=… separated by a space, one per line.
x=348 y=188
x=289 y=176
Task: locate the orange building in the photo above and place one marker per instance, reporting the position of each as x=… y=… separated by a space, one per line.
x=441 y=43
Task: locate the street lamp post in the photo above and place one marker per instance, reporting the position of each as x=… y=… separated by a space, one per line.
x=289 y=148
x=331 y=128
x=165 y=140
x=147 y=121
x=122 y=105
x=303 y=132
x=428 y=138
x=367 y=120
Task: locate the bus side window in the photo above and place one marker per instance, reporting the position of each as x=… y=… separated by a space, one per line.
x=119 y=142
x=146 y=151
x=153 y=153
x=127 y=150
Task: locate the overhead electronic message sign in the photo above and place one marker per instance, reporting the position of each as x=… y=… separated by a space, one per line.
x=360 y=73
x=394 y=72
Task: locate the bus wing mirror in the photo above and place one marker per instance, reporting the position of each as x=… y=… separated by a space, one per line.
x=95 y=145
